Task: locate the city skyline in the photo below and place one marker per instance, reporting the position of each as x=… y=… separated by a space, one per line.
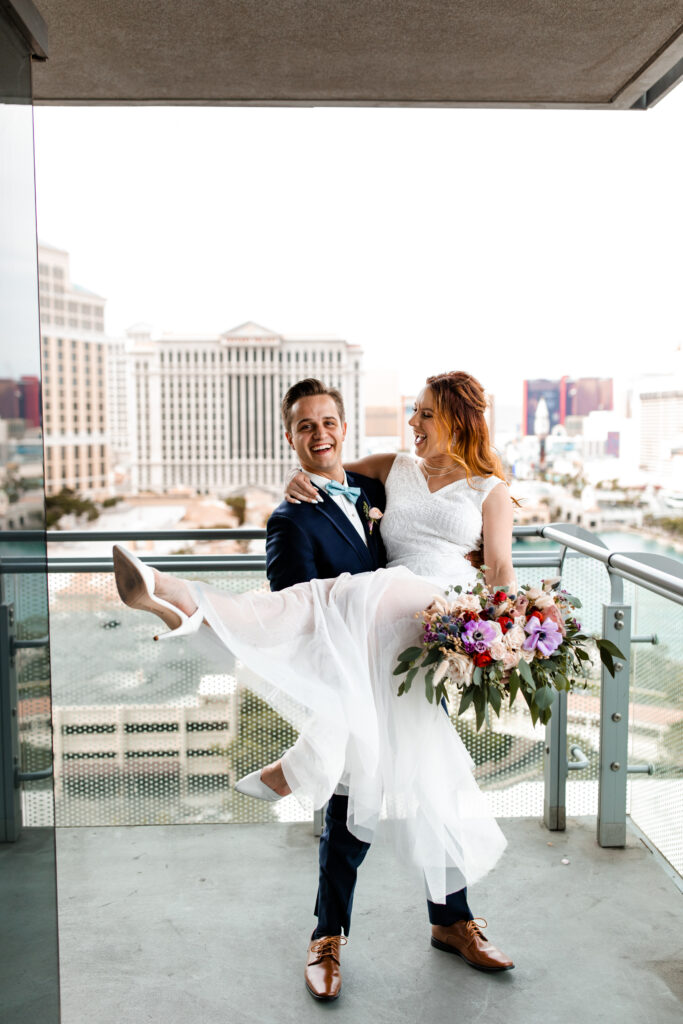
x=501 y=242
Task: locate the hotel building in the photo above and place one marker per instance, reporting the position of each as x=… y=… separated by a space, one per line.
x=204 y=413
x=74 y=376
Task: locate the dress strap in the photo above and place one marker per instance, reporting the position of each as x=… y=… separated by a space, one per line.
x=482 y=487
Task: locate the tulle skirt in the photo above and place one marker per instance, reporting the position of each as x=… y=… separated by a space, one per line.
x=329 y=647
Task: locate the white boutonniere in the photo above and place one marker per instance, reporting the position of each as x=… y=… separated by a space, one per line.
x=373 y=515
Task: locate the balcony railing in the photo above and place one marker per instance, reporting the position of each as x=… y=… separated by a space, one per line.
x=144 y=735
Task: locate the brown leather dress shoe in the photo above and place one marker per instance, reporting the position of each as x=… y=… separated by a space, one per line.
x=323 y=972
x=466 y=940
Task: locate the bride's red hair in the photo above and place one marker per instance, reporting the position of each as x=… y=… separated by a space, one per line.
x=460 y=404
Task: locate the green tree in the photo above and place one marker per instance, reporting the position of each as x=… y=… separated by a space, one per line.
x=238 y=504
x=262 y=735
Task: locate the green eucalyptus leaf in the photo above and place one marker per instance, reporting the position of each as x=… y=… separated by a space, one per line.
x=609 y=646
x=544 y=697
x=513 y=686
x=410 y=654
x=466 y=699
x=432 y=656
x=480 y=708
x=402 y=667
x=409 y=678
x=429 y=686
x=525 y=672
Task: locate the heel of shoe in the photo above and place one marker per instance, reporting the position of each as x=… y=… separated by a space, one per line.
x=189 y=624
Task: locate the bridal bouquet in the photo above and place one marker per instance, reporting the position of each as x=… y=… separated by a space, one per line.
x=488 y=645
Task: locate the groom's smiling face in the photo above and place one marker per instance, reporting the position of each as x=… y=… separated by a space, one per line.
x=317 y=435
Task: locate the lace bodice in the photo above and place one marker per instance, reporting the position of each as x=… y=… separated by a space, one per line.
x=431 y=533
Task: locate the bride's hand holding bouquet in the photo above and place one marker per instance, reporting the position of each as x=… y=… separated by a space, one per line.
x=487 y=645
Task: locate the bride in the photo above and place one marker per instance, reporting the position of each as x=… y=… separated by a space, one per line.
x=329 y=646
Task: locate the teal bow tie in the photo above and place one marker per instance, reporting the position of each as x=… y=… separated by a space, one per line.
x=352 y=493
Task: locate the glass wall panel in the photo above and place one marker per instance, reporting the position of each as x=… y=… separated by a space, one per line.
x=29 y=979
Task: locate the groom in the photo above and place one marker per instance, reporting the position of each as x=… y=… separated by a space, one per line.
x=320 y=541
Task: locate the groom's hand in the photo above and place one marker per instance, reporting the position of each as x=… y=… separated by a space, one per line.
x=299 y=488
x=476 y=557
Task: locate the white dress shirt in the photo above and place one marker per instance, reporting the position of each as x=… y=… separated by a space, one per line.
x=347 y=507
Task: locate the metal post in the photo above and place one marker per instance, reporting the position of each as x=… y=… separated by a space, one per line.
x=319 y=821
x=10 y=794
x=614 y=698
x=555 y=767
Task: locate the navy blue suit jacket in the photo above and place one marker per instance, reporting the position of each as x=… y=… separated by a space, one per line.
x=305 y=542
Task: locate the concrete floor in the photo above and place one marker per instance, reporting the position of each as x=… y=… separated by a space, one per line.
x=29 y=971
x=206 y=924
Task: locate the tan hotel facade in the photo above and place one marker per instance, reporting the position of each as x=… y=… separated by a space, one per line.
x=74 y=380
x=205 y=412
x=160 y=414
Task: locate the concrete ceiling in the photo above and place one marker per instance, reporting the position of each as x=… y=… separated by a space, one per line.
x=576 y=53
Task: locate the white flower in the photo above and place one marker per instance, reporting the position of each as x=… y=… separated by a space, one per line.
x=515 y=637
x=532 y=593
x=438 y=606
x=460 y=668
x=551 y=582
x=498 y=650
x=465 y=603
x=510 y=659
x=543 y=600
x=527 y=655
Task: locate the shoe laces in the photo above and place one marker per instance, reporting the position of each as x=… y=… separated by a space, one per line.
x=476 y=929
x=328 y=946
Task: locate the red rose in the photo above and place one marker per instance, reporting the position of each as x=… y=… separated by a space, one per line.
x=499 y=597
x=482 y=659
x=469 y=616
x=535 y=615
x=505 y=622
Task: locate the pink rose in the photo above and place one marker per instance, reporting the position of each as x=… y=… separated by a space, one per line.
x=553 y=614
x=521 y=605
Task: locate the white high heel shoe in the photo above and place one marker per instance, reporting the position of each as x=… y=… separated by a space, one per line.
x=252 y=785
x=135 y=584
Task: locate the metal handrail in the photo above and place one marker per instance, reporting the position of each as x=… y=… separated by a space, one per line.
x=667 y=584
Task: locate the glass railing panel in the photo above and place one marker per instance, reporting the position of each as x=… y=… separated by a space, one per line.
x=28 y=594
x=589 y=581
x=150 y=733
x=656 y=724
x=508 y=751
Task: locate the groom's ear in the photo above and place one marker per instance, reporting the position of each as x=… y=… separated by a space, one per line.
x=289 y=439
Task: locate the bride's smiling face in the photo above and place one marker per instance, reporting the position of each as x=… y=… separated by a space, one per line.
x=430 y=442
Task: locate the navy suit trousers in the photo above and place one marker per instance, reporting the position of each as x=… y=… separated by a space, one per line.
x=341 y=854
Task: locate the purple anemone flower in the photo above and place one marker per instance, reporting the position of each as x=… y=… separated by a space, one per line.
x=544 y=636
x=477 y=636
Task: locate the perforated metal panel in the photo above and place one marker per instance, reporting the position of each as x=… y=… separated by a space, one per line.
x=656 y=725
x=28 y=594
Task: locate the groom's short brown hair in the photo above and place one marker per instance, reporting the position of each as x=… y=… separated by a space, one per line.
x=305 y=388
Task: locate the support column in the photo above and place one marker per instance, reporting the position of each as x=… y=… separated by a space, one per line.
x=10 y=793
x=614 y=700
x=555 y=767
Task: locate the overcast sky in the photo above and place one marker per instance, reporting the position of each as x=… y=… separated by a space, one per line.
x=506 y=243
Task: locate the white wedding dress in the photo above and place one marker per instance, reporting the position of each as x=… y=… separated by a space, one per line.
x=330 y=646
